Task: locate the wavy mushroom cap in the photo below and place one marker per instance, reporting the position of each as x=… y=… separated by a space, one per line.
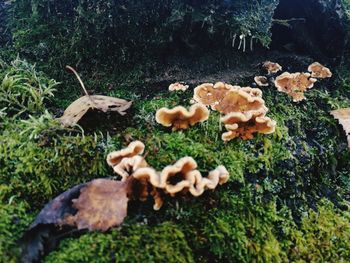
x=128 y=165
x=178 y=86
x=134 y=148
x=319 y=71
x=239 y=100
x=178 y=177
x=244 y=126
x=210 y=94
x=218 y=176
x=272 y=67
x=295 y=84
x=180 y=118
x=261 y=81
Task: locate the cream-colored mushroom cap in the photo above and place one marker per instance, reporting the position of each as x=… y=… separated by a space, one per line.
x=181 y=118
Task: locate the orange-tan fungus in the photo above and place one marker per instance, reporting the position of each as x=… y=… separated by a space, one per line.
x=178 y=86
x=239 y=100
x=244 y=126
x=211 y=94
x=133 y=149
x=319 y=71
x=177 y=177
x=272 y=67
x=218 y=176
x=181 y=118
x=294 y=84
x=261 y=81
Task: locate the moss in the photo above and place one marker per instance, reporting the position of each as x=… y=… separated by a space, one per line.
x=14 y=219
x=270 y=209
x=136 y=243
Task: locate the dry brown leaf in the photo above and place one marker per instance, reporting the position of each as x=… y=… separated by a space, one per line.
x=101 y=205
x=80 y=107
x=343 y=116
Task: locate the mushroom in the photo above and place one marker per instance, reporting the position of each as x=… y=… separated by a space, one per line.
x=128 y=165
x=146 y=177
x=252 y=91
x=261 y=81
x=294 y=84
x=134 y=148
x=319 y=71
x=218 y=176
x=210 y=94
x=178 y=177
x=239 y=100
x=244 y=126
x=178 y=86
x=272 y=67
x=180 y=118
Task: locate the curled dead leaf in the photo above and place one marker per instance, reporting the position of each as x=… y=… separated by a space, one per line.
x=343 y=116
x=80 y=107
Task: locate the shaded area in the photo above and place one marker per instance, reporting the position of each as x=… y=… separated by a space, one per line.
x=317 y=31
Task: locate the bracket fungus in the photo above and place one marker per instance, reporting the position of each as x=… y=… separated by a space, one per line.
x=178 y=86
x=133 y=149
x=175 y=178
x=181 y=118
x=295 y=84
x=319 y=71
x=261 y=81
x=212 y=94
x=245 y=100
x=272 y=67
x=244 y=126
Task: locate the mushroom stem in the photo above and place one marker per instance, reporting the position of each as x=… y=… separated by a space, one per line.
x=251 y=43
x=240 y=43
x=234 y=40
x=244 y=44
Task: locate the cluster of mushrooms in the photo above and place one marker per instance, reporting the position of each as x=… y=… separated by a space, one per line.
x=181 y=177
x=294 y=84
x=243 y=111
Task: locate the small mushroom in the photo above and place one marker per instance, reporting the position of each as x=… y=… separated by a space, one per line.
x=244 y=126
x=178 y=86
x=272 y=67
x=180 y=118
x=319 y=71
x=261 y=81
x=239 y=100
x=178 y=177
x=147 y=178
x=218 y=176
x=294 y=84
x=134 y=148
x=128 y=165
x=210 y=94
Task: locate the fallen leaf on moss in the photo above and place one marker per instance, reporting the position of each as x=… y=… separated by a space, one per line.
x=81 y=106
x=101 y=205
x=97 y=205
x=343 y=116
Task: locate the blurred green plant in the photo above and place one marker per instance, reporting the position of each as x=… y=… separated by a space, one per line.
x=23 y=90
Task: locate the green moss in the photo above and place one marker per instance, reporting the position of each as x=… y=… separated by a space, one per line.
x=136 y=243
x=269 y=211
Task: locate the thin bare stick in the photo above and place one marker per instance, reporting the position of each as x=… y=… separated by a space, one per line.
x=79 y=79
x=81 y=83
